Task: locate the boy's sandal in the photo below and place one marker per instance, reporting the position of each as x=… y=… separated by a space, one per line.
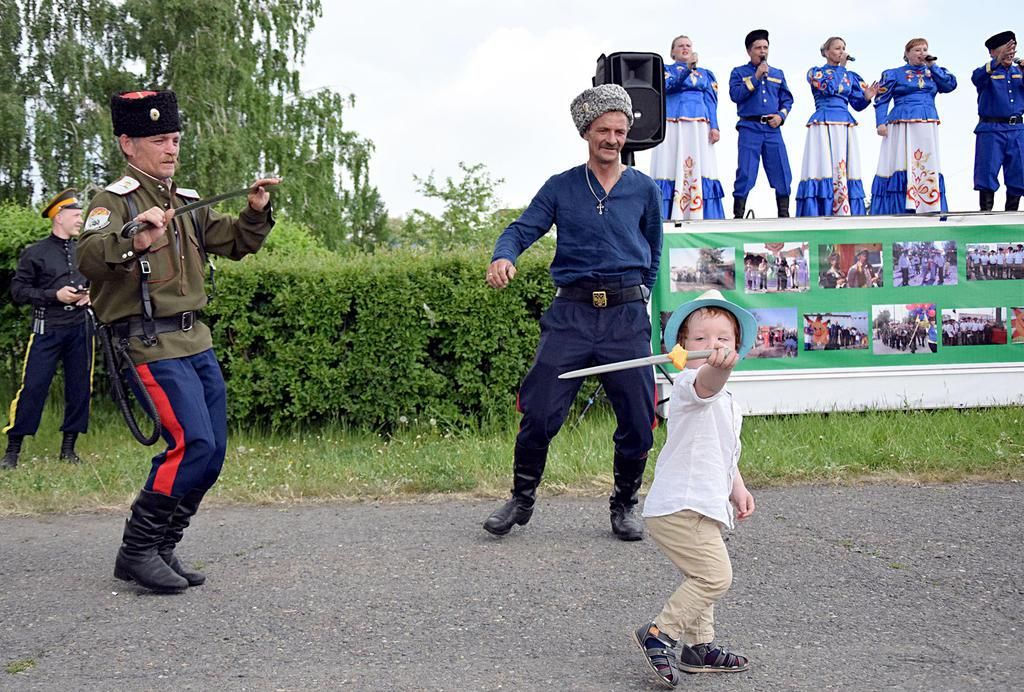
x=709 y=658
x=660 y=659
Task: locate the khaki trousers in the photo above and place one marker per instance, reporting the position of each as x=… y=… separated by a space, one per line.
x=694 y=544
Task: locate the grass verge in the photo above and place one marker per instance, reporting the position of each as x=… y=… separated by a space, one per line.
x=423 y=460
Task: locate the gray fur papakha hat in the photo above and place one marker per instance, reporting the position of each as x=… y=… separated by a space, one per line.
x=595 y=102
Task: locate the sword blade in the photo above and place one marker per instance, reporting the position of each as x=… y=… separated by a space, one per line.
x=133 y=227
x=628 y=364
x=209 y=201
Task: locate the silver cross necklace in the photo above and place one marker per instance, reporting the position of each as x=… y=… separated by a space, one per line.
x=600 y=200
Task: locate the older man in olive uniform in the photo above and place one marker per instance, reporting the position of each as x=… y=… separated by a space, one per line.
x=46 y=279
x=149 y=288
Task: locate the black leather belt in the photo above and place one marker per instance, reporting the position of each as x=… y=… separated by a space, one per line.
x=603 y=298
x=1012 y=120
x=182 y=322
x=763 y=119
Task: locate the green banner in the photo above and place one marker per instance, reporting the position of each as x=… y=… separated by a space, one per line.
x=858 y=292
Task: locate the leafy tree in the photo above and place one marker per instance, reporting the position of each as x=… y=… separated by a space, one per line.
x=470 y=218
x=232 y=64
x=15 y=158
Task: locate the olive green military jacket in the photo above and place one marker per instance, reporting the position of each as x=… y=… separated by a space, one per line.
x=177 y=270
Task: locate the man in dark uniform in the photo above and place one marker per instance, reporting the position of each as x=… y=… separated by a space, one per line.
x=763 y=102
x=606 y=262
x=1000 y=130
x=48 y=279
x=149 y=289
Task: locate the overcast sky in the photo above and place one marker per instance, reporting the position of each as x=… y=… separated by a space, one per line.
x=481 y=82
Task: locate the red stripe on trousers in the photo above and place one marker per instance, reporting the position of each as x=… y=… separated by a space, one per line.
x=168 y=471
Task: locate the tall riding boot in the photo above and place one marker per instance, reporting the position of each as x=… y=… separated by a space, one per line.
x=529 y=467
x=67 y=449
x=782 y=202
x=739 y=206
x=987 y=198
x=1012 y=202
x=183 y=513
x=138 y=560
x=629 y=474
x=13 y=452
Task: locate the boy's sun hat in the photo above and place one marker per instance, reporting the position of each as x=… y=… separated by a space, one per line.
x=747 y=322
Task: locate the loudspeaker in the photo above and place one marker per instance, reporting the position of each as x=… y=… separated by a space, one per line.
x=642 y=75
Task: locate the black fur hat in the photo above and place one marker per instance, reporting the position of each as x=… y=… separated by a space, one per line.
x=145 y=113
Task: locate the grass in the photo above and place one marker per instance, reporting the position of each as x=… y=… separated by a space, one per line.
x=422 y=461
x=19 y=666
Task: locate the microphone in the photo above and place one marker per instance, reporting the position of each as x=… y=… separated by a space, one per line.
x=850 y=58
x=1019 y=61
x=930 y=58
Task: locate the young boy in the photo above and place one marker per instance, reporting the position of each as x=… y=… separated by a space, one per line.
x=695 y=480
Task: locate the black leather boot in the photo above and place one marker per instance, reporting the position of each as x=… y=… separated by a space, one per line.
x=986 y=199
x=529 y=467
x=67 y=449
x=782 y=202
x=13 y=452
x=180 y=519
x=138 y=559
x=629 y=475
x=739 y=206
x=1012 y=202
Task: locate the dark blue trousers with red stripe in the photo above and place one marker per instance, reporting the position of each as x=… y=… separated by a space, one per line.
x=70 y=346
x=191 y=398
x=577 y=335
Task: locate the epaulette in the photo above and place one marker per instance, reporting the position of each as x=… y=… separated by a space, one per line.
x=187 y=192
x=123 y=186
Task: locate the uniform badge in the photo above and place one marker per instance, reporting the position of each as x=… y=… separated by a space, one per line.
x=154 y=114
x=98 y=218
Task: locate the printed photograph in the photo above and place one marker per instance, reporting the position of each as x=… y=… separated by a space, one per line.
x=924 y=264
x=973 y=327
x=853 y=265
x=701 y=269
x=1017 y=325
x=899 y=329
x=776 y=333
x=775 y=267
x=995 y=261
x=835 y=331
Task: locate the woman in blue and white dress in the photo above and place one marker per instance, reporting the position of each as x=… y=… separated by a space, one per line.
x=909 y=178
x=830 y=179
x=684 y=164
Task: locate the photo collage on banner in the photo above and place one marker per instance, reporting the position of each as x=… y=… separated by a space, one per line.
x=801 y=273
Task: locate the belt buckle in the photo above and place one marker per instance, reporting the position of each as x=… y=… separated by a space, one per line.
x=599 y=299
x=187 y=320
x=1014 y=119
x=764 y=119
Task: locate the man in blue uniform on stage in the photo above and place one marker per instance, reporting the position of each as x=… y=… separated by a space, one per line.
x=605 y=264
x=47 y=279
x=763 y=102
x=1000 y=130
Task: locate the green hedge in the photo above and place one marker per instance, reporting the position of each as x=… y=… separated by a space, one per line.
x=375 y=340
x=19 y=226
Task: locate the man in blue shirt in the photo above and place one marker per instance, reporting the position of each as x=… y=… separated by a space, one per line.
x=1000 y=130
x=763 y=103
x=606 y=262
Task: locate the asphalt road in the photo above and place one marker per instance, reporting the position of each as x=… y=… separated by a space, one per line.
x=856 y=588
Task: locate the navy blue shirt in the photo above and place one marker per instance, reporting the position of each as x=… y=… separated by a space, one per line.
x=1000 y=93
x=622 y=246
x=769 y=95
x=45 y=267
